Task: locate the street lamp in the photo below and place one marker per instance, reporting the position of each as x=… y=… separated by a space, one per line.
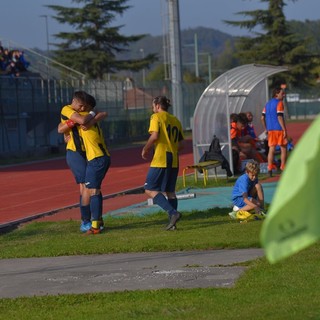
x=143 y=70
x=47 y=31
x=46 y=59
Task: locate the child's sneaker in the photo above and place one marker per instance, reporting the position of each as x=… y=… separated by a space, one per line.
x=101 y=227
x=85 y=226
x=263 y=213
x=233 y=215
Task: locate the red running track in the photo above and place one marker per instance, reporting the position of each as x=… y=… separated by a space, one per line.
x=41 y=187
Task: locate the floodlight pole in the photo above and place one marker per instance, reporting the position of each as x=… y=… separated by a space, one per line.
x=143 y=70
x=228 y=122
x=48 y=50
x=196 y=55
x=47 y=31
x=175 y=57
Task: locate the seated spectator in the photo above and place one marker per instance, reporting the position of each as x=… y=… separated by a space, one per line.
x=237 y=125
x=12 y=70
x=249 y=129
x=4 y=59
x=233 y=118
x=242 y=144
x=19 y=60
x=12 y=62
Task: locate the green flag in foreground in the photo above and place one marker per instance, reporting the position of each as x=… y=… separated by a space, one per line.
x=293 y=221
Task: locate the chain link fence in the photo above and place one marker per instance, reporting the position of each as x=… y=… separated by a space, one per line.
x=30 y=111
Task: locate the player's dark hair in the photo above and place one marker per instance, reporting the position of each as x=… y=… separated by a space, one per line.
x=233 y=117
x=90 y=101
x=163 y=101
x=242 y=118
x=87 y=99
x=275 y=91
x=80 y=95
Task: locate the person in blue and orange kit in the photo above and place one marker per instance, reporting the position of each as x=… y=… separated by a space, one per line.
x=274 y=125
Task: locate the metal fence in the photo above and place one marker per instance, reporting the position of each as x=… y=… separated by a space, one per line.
x=30 y=110
x=304 y=109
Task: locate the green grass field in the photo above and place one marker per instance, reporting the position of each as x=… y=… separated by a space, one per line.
x=287 y=290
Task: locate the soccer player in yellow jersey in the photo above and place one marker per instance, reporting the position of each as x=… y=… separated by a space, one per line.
x=72 y=117
x=98 y=163
x=166 y=136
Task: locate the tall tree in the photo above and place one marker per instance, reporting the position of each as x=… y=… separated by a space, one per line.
x=276 y=45
x=93 y=45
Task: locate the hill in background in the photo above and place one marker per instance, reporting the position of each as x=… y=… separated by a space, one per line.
x=209 y=41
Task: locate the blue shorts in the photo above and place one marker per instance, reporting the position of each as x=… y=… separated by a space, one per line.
x=77 y=163
x=239 y=202
x=96 y=171
x=161 y=179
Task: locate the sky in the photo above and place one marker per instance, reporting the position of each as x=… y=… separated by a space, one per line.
x=27 y=25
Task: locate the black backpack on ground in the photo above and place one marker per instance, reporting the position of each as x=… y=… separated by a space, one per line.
x=215 y=154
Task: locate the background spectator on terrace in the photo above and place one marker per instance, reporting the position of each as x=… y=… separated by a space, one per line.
x=12 y=62
x=4 y=58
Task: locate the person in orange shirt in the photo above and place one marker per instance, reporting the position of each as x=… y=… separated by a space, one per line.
x=243 y=144
x=236 y=127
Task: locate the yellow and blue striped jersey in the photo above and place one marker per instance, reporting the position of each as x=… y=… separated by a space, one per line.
x=94 y=142
x=75 y=143
x=170 y=133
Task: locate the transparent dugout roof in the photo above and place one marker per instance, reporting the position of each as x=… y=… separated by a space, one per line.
x=241 y=89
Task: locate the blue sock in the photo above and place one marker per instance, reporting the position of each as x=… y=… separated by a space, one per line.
x=101 y=201
x=162 y=202
x=174 y=203
x=85 y=212
x=96 y=207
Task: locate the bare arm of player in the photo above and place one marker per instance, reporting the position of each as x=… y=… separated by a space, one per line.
x=99 y=116
x=81 y=119
x=152 y=139
x=263 y=122
x=66 y=137
x=69 y=124
x=283 y=126
x=66 y=126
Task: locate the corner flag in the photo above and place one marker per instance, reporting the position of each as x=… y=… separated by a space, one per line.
x=293 y=221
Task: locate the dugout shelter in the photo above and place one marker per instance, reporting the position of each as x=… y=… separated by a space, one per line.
x=244 y=88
